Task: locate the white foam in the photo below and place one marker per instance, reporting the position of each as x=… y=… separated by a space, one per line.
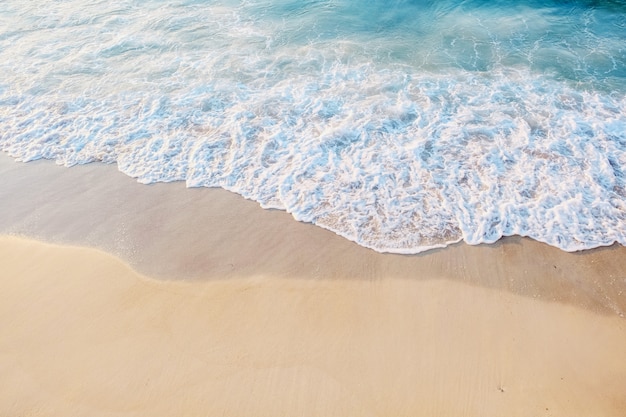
x=392 y=156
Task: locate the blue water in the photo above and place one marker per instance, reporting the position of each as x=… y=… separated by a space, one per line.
x=400 y=125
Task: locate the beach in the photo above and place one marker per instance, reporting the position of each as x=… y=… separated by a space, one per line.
x=125 y=299
x=312 y=208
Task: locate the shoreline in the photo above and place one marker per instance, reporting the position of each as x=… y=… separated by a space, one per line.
x=170 y=232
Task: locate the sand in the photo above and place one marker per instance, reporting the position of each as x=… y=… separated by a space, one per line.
x=212 y=306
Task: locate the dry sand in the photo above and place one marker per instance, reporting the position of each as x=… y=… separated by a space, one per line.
x=256 y=314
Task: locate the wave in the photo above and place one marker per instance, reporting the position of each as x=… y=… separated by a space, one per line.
x=367 y=138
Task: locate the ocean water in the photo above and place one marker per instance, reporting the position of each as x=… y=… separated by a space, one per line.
x=401 y=125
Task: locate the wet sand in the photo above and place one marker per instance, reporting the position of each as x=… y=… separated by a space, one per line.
x=217 y=307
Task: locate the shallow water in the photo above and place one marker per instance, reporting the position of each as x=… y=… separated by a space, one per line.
x=401 y=125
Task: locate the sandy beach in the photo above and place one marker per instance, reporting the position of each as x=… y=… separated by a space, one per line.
x=118 y=298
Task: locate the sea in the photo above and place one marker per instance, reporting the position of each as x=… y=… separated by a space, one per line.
x=402 y=125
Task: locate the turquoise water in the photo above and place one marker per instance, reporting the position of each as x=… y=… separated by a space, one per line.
x=400 y=125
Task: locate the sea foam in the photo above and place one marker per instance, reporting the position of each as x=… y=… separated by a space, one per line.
x=481 y=131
